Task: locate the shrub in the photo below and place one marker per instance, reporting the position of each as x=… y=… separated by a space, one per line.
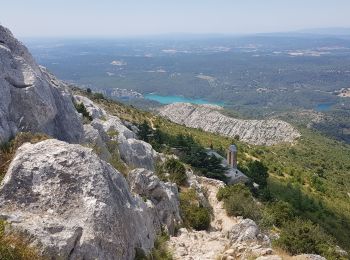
x=257 y=171
x=160 y=250
x=303 y=236
x=277 y=213
x=176 y=170
x=98 y=96
x=115 y=159
x=238 y=201
x=80 y=107
x=15 y=247
x=194 y=214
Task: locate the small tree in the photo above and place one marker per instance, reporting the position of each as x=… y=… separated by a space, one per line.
x=144 y=132
x=176 y=170
x=258 y=172
x=80 y=107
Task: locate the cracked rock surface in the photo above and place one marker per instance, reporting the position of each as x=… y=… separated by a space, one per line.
x=73 y=204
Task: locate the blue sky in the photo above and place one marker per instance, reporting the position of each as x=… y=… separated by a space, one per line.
x=49 y=18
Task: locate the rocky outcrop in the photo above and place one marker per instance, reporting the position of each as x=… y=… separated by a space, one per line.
x=136 y=153
x=209 y=118
x=163 y=196
x=74 y=205
x=94 y=110
x=31 y=99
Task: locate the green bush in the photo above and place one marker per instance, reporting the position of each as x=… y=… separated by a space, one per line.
x=257 y=171
x=238 y=201
x=176 y=170
x=304 y=237
x=80 y=107
x=277 y=213
x=194 y=214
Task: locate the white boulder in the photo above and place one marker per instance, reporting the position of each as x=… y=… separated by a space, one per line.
x=73 y=205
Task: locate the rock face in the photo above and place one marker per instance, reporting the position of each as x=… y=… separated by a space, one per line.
x=134 y=152
x=74 y=205
x=208 y=118
x=137 y=153
x=30 y=98
x=164 y=196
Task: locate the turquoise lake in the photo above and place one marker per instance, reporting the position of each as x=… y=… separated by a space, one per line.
x=174 y=99
x=324 y=107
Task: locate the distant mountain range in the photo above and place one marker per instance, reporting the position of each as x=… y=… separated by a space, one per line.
x=327 y=31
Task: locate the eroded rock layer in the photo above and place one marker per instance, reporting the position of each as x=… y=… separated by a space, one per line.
x=209 y=118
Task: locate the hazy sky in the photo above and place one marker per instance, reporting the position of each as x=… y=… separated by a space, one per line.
x=139 y=17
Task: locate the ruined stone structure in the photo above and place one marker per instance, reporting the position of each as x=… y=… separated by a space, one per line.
x=232 y=156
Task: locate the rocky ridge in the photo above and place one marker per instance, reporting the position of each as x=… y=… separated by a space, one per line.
x=106 y=129
x=209 y=118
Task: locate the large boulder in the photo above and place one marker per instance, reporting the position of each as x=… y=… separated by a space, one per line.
x=30 y=98
x=163 y=195
x=74 y=205
x=247 y=231
x=137 y=153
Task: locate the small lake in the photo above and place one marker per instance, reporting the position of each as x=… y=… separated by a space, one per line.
x=323 y=107
x=175 y=99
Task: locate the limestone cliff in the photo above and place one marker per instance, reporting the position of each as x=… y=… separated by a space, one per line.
x=209 y=118
x=30 y=98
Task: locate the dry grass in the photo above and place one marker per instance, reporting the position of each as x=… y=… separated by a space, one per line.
x=15 y=247
x=8 y=150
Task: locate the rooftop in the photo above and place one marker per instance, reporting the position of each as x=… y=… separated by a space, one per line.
x=232 y=148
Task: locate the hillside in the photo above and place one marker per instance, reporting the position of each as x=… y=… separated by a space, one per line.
x=311 y=174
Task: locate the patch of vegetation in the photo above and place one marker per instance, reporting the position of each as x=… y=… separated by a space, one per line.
x=238 y=201
x=277 y=213
x=193 y=213
x=300 y=236
x=115 y=159
x=189 y=151
x=15 y=247
x=159 y=252
x=176 y=170
x=8 y=150
x=80 y=107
